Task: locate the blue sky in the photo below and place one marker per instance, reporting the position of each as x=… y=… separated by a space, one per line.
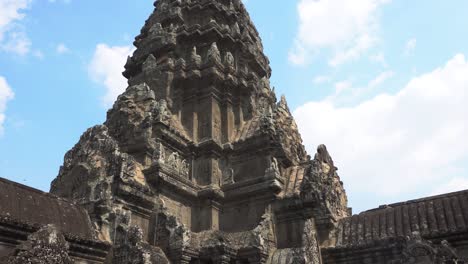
x=383 y=83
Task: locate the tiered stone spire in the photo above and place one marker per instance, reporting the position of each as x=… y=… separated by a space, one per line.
x=198 y=153
x=197 y=54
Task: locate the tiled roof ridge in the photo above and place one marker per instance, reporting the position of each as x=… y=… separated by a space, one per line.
x=440 y=216
x=31 y=189
x=417 y=200
x=38 y=208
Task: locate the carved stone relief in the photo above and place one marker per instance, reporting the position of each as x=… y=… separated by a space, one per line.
x=273 y=167
x=217 y=129
x=47 y=245
x=195 y=58
x=420 y=251
x=213 y=53
x=162 y=112
x=159 y=154
x=229 y=60
x=157 y=30
x=178 y=164
x=228 y=176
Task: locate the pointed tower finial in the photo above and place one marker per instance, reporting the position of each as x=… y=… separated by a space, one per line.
x=283 y=103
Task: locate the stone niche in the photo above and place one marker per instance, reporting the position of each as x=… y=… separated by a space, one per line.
x=248 y=167
x=180 y=208
x=204 y=171
x=141 y=221
x=242 y=215
x=291 y=223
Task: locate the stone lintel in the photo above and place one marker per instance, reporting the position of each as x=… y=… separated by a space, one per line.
x=256 y=186
x=210 y=147
x=159 y=179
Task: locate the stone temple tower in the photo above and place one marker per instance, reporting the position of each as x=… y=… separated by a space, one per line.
x=198 y=161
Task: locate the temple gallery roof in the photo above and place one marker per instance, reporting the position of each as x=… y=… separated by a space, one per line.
x=432 y=217
x=25 y=205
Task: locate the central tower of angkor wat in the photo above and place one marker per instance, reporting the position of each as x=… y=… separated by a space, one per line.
x=199 y=153
x=199 y=162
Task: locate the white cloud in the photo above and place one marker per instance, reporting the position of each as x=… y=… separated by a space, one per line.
x=10 y=11
x=299 y=55
x=106 y=68
x=410 y=46
x=6 y=94
x=381 y=78
x=17 y=43
x=347 y=27
x=62 y=48
x=346 y=92
x=322 y=79
x=362 y=44
x=342 y=86
x=12 y=37
x=379 y=58
x=455 y=184
x=394 y=144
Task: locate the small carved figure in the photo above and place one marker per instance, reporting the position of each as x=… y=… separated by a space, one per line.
x=229 y=60
x=273 y=167
x=283 y=103
x=231 y=6
x=267 y=120
x=163 y=7
x=213 y=53
x=324 y=158
x=173 y=159
x=195 y=58
x=274 y=164
x=235 y=30
x=265 y=85
x=149 y=63
x=228 y=176
x=162 y=112
x=156 y=29
x=184 y=167
x=216 y=173
x=172 y=28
